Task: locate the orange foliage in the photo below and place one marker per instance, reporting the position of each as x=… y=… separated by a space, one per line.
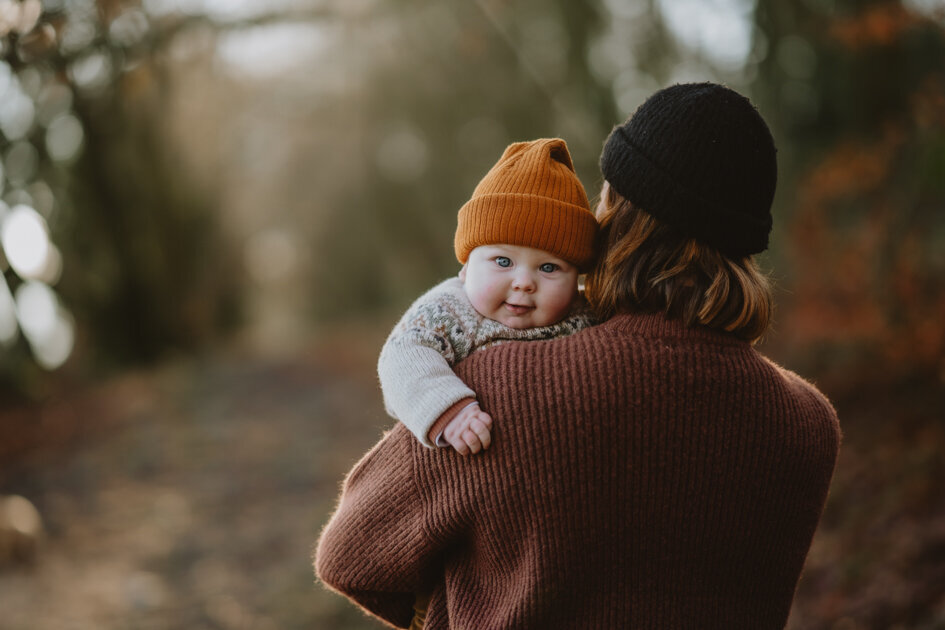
x=866 y=270
x=878 y=25
x=850 y=169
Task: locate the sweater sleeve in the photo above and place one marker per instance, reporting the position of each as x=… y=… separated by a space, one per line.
x=417 y=380
x=375 y=550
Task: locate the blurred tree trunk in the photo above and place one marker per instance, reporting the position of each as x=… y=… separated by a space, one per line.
x=156 y=273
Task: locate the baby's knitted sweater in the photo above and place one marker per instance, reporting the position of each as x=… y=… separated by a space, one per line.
x=438 y=331
x=647 y=476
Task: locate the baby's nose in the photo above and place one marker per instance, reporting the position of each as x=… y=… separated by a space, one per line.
x=523 y=281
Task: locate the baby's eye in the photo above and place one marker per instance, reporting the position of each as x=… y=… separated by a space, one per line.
x=548 y=267
x=503 y=261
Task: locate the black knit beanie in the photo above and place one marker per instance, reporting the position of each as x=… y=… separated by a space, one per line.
x=699 y=157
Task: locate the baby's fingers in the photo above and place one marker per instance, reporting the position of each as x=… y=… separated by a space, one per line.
x=458 y=444
x=480 y=426
x=471 y=438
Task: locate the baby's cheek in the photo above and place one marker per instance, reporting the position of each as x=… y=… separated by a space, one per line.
x=562 y=310
x=482 y=297
x=564 y=303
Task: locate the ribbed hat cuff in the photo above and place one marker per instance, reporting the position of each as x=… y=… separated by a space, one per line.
x=557 y=227
x=645 y=184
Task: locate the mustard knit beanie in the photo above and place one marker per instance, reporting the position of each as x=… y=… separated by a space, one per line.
x=532 y=198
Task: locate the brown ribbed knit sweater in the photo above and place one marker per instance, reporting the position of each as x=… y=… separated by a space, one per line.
x=643 y=475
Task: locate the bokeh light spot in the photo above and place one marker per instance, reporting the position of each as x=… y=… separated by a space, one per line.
x=76 y=35
x=30 y=10
x=8 y=325
x=55 y=99
x=52 y=269
x=25 y=241
x=19 y=16
x=270 y=255
x=55 y=348
x=271 y=49
x=91 y=72
x=36 y=310
x=721 y=30
x=402 y=155
x=933 y=9
x=20 y=514
x=64 y=138
x=17 y=114
x=22 y=160
x=6 y=78
x=42 y=197
x=129 y=28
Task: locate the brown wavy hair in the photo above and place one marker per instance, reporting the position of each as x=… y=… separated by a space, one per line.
x=647 y=266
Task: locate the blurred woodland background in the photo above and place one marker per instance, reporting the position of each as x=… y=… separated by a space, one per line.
x=214 y=210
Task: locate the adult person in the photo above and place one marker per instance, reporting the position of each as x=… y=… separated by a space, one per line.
x=654 y=471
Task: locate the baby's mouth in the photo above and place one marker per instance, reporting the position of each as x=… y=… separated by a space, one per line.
x=517 y=309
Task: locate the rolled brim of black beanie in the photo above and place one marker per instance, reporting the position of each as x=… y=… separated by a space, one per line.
x=642 y=181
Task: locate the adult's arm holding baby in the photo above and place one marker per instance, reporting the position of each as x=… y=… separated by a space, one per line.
x=376 y=549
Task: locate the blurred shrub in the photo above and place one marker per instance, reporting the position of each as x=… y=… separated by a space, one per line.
x=863 y=132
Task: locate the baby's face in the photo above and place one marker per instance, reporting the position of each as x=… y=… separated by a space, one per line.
x=520 y=287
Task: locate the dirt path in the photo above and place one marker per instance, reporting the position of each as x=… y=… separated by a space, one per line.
x=196 y=503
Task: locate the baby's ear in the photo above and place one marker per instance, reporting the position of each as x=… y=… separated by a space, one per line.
x=462 y=274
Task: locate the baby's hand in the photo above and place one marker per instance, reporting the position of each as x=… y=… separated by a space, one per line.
x=468 y=431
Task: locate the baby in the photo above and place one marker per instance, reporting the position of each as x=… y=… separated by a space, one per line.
x=523 y=238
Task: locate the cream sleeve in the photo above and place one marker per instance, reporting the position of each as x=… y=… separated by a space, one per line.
x=415 y=369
